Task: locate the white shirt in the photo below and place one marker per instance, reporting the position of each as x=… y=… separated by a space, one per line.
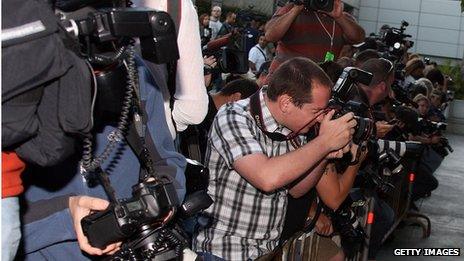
x=191 y=99
x=215 y=27
x=258 y=56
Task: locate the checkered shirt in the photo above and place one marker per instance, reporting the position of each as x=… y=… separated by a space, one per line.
x=246 y=222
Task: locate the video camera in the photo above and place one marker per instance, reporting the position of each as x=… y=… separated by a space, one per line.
x=365 y=128
x=316 y=5
x=395 y=38
x=230 y=54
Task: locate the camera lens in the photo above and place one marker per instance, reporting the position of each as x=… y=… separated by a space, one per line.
x=321 y=3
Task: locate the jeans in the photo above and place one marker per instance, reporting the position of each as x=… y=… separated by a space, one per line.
x=11 y=228
x=209 y=257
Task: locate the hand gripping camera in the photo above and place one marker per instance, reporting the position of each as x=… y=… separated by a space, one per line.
x=317 y=5
x=365 y=128
x=151 y=202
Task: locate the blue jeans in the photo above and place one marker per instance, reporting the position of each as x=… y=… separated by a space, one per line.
x=209 y=257
x=11 y=228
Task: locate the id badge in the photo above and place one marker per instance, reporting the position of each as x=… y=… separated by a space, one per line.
x=329 y=56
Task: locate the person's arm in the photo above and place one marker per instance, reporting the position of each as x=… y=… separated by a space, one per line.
x=435 y=139
x=334 y=188
x=252 y=67
x=269 y=174
x=382 y=128
x=311 y=179
x=190 y=99
x=280 y=23
x=252 y=59
x=352 y=31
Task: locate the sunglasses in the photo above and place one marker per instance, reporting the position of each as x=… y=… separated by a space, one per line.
x=391 y=66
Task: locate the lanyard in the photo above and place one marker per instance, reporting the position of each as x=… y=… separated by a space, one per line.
x=327 y=31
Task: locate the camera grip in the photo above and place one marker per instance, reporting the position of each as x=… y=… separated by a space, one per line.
x=101 y=228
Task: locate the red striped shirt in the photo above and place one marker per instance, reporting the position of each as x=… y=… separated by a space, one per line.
x=307 y=38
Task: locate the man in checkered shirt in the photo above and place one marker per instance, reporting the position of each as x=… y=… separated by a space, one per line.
x=251 y=174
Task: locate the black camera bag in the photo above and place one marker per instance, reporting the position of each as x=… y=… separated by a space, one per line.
x=46 y=89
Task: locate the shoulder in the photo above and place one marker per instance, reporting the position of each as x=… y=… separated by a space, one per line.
x=233 y=114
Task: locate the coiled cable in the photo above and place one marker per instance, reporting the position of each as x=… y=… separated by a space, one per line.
x=90 y=164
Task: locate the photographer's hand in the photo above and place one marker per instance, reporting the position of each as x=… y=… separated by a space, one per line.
x=383 y=128
x=324 y=225
x=337 y=11
x=337 y=133
x=358 y=153
x=81 y=206
x=435 y=139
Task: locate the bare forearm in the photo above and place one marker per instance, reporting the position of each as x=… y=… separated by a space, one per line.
x=309 y=181
x=290 y=166
x=346 y=183
x=352 y=31
x=269 y=174
x=334 y=188
x=278 y=26
x=252 y=66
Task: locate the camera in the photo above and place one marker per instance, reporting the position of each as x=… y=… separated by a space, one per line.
x=395 y=38
x=142 y=222
x=365 y=128
x=431 y=127
x=345 y=222
x=404 y=95
x=317 y=5
x=230 y=56
x=151 y=202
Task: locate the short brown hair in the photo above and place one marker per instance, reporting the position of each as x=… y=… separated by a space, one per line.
x=379 y=68
x=295 y=78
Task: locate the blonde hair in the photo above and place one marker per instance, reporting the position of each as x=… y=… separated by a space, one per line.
x=421 y=97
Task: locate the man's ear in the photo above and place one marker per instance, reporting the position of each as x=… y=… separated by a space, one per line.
x=383 y=86
x=284 y=102
x=236 y=96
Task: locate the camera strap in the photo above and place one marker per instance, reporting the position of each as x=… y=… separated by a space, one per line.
x=257 y=114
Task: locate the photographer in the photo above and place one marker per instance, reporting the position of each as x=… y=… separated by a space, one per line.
x=378 y=90
x=194 y=139
x=258 y=55
x=309 y=33
x=228 y=25
x=61 y=196
x=414 y=70
x=375 y=93
x=255 y=161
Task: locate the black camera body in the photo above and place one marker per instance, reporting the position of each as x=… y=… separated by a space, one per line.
x=317 y=5
x=365 y=128
x=150 y=203
x=431 y=127
x=346 y=223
